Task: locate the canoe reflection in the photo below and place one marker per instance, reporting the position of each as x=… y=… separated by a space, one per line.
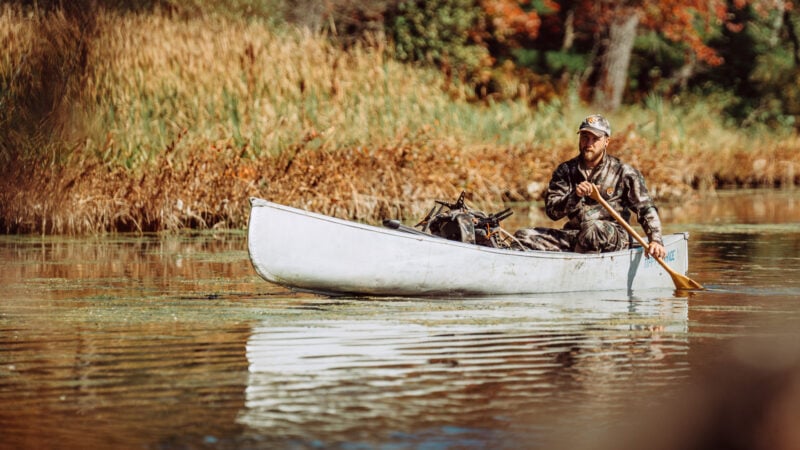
x=482 y=365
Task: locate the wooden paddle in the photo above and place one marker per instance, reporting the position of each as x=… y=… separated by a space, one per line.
x=681 y=281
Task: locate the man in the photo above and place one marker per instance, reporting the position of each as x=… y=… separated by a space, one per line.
x=590 y=228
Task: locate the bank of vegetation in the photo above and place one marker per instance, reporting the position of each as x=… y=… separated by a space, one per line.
x=163 y=118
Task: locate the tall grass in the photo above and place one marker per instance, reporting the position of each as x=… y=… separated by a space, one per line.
x=155 y=123
x=222 y=80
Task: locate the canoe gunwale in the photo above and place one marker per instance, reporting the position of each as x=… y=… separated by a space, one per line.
x=257 y=202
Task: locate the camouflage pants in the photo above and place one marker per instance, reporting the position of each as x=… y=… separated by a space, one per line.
x=594 y=236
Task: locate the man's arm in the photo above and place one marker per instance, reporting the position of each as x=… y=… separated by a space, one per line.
x=646 y=213
x=560 y=198
x=651 y=224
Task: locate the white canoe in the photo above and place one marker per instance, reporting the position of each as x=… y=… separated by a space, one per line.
x=312 y=252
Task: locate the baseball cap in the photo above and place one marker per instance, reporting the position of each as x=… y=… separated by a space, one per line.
x=597 y=124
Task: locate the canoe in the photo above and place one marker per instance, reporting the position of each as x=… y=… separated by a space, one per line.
x=306 y=251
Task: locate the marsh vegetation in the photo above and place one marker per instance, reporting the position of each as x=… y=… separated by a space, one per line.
x=146 y=121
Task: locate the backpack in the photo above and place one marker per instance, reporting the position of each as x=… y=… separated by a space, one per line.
x=458 y=222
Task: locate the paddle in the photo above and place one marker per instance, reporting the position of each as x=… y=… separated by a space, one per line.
x=396 y=225
x=681 y=281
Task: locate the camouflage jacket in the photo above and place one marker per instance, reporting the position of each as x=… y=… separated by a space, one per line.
x=621 y=185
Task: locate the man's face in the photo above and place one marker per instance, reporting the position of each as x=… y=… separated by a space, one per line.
x=592 y=147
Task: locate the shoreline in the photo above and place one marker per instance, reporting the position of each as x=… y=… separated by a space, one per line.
x=210 y=189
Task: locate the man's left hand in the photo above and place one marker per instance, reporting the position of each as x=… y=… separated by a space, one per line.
x=656 y=249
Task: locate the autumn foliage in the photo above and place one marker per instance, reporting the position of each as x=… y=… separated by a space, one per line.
x=510 y=18
x=682 y=21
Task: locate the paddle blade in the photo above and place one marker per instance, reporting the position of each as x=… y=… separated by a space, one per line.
x=685 y=283
x=681 y=282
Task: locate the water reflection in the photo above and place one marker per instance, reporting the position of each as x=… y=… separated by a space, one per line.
x=122 y=266
x=100 y=386
x=478 y=366
x=738 y=208
x=121 y=342
x=174 y=342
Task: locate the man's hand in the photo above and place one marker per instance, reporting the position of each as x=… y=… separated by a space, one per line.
x=656 y=249
x=584 y=189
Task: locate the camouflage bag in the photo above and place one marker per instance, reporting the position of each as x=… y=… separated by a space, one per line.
x=458 y=222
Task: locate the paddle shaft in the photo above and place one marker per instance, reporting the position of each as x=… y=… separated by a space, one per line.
x=396 y=225
x=681 y=281
x=596 y=195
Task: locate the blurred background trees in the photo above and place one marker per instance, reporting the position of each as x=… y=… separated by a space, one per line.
x=744 y=53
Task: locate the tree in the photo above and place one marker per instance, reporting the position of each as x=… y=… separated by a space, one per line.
x=616 y=59
x=762 y=66
x=514 y=20
x=681 y=21
x=436 y=32
x=606 y=30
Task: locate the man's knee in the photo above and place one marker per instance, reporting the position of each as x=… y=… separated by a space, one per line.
x=599 y=236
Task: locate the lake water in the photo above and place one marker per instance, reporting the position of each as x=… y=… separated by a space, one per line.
x=173 y=342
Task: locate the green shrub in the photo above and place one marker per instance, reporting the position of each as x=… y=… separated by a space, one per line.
x=436 y=32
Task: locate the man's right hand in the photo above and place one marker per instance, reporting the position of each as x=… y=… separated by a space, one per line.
x=657 y=250
x=584 y=189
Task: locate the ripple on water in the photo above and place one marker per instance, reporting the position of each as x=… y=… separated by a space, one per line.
x=491 y=364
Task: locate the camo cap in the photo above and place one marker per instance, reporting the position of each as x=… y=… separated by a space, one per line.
x=596 y=124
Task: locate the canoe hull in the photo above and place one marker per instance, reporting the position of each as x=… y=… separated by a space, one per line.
x=313 y=252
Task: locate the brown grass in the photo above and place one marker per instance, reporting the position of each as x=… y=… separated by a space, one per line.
x=210 y=189
x=158 y=124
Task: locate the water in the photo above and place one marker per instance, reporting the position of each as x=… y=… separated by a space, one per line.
x=173 y=342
